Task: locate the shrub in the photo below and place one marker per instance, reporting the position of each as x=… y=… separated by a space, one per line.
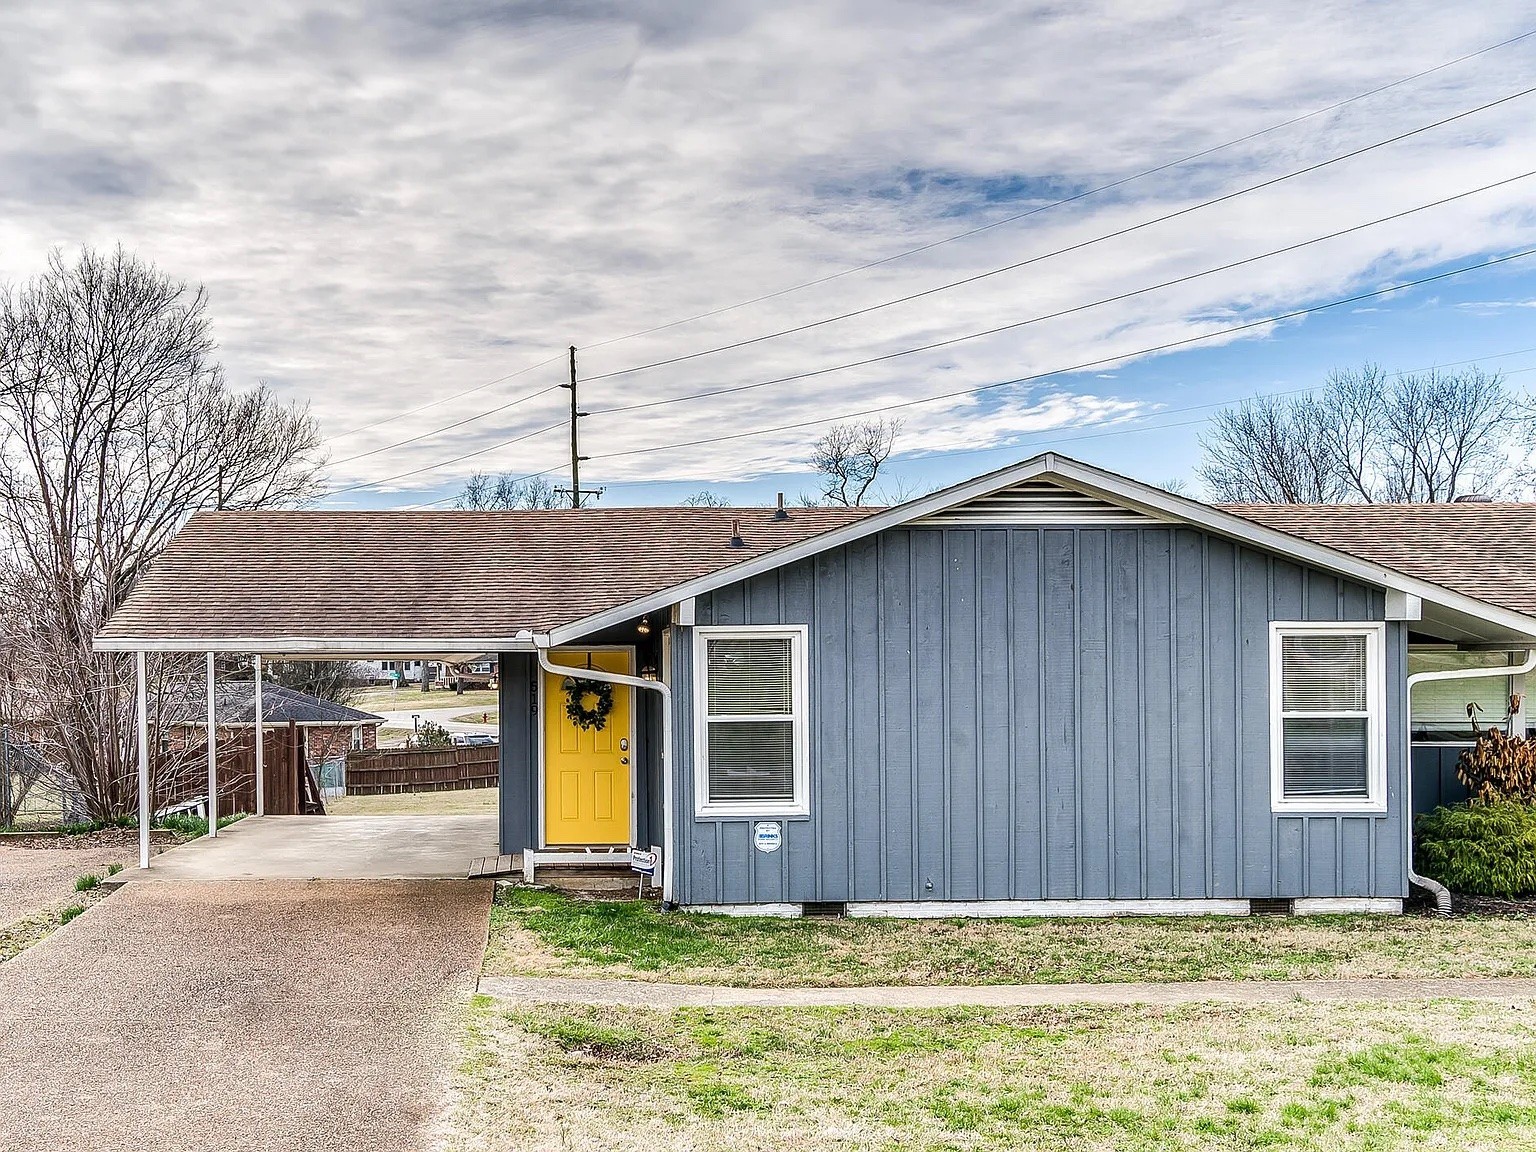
x=1481 y=849
x=87 y=882
x=430 y=735
x=1499 y=767
x=68 y=914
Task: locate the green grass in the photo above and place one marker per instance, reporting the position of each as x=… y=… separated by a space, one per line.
x=412 y=699
x=1298 y=1075
x=87 y=882
x=191 y=827
x=114 y=869
x=535 y=930
x=69 y=913
x=85 y=827
x=479 y=716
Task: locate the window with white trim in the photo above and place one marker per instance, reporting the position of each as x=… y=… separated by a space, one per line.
x=752 y=743
x=1328 y=729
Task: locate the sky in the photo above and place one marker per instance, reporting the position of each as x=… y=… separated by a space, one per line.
x=404 y=214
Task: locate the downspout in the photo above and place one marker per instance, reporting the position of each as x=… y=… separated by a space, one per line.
x=1441 y=894
x=669 y=834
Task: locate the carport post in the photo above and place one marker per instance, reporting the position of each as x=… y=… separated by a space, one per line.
x=213 y=757
x=143 y=693
x=261 y=766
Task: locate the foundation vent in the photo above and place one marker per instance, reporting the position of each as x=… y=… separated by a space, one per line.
x=826 y=909
x=1037 y=502
x=1274 y=906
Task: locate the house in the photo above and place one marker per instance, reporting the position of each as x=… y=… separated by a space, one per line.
x=326 y=731
x=1048 y=689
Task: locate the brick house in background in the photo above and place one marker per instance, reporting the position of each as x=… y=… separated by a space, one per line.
x=326 y=730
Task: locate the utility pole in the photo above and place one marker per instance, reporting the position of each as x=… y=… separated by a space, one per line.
x=576 y=491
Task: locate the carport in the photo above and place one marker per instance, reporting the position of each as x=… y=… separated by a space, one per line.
x=335 y=848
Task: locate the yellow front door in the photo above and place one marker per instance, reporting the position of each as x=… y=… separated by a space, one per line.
x=587 y=770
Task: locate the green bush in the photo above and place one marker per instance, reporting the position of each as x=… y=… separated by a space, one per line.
x=1481 y=849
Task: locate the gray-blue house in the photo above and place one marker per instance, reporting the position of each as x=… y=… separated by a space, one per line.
x=1047 y=690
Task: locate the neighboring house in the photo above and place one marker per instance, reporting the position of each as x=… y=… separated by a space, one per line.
x=326 y=731
x=1049 y=689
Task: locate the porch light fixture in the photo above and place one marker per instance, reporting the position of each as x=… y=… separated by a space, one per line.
x=644 y=627
x=648 y=672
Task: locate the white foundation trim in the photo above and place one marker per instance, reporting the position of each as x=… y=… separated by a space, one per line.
x=776 y=911
x=944 y=909
x=1342 y=905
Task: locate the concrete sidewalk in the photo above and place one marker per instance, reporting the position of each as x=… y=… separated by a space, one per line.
x=646 y=994
x=254 y=1015
x=330 y=848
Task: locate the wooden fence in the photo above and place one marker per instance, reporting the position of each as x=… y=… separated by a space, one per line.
x=422 y=770
x=287 y=779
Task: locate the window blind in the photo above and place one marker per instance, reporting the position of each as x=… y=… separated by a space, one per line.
x=1324 y=673
x=750 y=677
x=1326 y=757
x=751 y=761
x=750 y=721
x=1325 y=715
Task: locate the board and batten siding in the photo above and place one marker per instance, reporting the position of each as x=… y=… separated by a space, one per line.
x=1026 y=713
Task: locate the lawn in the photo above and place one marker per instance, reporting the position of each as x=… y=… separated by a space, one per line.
x=456 y=802
x=536 y=930
x=415 y=700
x=1294 y=1075
x=479 y=716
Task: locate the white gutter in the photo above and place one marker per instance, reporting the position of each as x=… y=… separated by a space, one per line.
x=1441 y=894
x=669 y=836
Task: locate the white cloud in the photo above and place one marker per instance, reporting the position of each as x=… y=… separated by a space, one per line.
x=392 y=202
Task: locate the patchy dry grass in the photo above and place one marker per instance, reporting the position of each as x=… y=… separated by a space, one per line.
x=456 y=802
x=413 y=699
x=1298 y=1075
x=536 y=931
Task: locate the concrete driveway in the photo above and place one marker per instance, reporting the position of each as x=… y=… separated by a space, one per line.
x=331 y=848
x=241 y=1015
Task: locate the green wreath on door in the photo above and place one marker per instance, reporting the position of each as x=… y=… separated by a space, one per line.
x=595 y=718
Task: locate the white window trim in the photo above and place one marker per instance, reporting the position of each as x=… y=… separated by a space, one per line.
x=799 y=638
x=1375 y=800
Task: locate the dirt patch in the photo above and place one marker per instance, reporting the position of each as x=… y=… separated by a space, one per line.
x=1489 y=906
x=103 y=838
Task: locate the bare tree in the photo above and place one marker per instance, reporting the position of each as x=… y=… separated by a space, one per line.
x=339 y=681
x=507 y=493
x=1369 y=437
x=115 y=424
x=849 y=458
x=704 y=498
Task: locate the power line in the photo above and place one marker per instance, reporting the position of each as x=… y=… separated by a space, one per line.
x=444 y=463
x=929 y=347
x=446 y=399
x=1087 y=193
x=1103 y=362
x=449 y=427
x=1095 y=191
x=1087 y=424
x=1033 y=444
x=1077 y=247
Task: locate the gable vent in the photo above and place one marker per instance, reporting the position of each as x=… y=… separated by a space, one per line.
x=1037 y=502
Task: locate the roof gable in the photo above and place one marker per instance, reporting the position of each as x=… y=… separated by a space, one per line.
x=1036 y=501
x=1462 y=615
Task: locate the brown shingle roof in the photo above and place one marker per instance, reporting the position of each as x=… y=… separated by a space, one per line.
x=435 y=574
x=1487 y=551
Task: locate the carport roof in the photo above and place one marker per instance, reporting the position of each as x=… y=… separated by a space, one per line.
x=396 y=582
